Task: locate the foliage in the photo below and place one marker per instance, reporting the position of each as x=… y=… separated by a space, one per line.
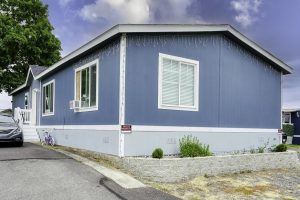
x=288 y=129
x=252 y=151
x=293 y=146
x=26 y=38
x=261 y=149
x=157 y=153
x=7 y=111
x=191 y=147
x=280 y=148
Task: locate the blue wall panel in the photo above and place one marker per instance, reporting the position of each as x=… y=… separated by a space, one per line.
x=249 y=90
x=236 y=89
x=142 y=79
x=18 y=99
x=108 y=94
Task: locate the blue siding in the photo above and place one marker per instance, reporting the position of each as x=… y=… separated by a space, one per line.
x=108 y=94
x=236 y=88
x=18 y=99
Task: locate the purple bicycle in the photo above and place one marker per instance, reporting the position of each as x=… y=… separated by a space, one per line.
x=48 y=139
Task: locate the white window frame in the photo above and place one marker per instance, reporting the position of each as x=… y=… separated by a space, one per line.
x=42 y=97
x=287 y=113
x=196 y=83
x=94 y=108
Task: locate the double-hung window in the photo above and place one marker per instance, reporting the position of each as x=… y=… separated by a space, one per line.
x=178 y=83
x=86 y=86
x=48 y=98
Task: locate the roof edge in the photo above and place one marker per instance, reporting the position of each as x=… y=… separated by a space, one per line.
x=155 y=28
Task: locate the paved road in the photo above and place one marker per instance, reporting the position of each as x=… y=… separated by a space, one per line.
x=34 y=173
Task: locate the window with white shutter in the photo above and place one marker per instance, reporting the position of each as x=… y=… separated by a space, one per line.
x=178 y=83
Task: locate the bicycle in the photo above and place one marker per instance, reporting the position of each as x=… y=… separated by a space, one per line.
x=48 y=139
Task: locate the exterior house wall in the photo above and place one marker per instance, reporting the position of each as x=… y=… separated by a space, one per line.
x=236 y=89
x=108 y=90
x=296 y=121
x=18 y=99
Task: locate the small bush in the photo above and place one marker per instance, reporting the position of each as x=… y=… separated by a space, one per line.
x=261 y=149
x=191 y=147
x=157 y=153
x=288 y=129
x=281 y=148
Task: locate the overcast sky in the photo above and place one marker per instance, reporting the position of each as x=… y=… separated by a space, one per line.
x=274 y=25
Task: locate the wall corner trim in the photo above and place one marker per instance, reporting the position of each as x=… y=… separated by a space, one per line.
x=123 y=45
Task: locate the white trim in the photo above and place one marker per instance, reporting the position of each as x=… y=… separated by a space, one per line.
x=44 y=85
x=25 y=83
x=82 y=127
x=257 y=48
x=159 y=28
x=122 y=93
x=200 y=129
x=94 y=62
x=162 y=128
x=296 y=136
x=281 y=97
x=196 y=83
x=40 y=103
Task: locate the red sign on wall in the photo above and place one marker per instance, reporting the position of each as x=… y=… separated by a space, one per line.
x=126 y=128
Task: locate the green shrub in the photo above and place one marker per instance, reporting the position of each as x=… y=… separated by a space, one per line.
x=157 y=153
x=191 y=147
x=281 y=148
x=288 y=129
x=261 y=149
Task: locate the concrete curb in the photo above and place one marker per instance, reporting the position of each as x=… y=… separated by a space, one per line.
x=122 y=179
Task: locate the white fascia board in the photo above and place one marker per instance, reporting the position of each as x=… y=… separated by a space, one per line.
x=290 y=109
x=159 y=28
x=260 y=50
x=106 y=35
x=25 y=84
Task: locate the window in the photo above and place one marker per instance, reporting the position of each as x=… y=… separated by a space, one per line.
x=86 y=86
x=48 y=98
x=286 y=118
x=178 y=83
x=26 y=101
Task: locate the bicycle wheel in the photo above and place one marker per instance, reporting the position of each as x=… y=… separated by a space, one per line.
x=51 y=141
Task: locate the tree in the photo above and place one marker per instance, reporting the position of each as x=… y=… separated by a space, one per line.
x=26 y=38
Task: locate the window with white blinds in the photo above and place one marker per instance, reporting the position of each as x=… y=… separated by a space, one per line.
x=178 y=83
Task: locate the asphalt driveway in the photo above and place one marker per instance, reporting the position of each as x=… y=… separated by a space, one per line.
x=32 y=172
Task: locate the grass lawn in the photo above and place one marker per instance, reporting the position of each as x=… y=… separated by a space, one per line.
x=293 y=146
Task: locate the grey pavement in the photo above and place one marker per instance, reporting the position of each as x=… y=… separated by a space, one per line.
x=34 y=173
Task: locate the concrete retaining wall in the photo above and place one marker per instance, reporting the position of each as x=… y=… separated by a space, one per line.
x=181 y=169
